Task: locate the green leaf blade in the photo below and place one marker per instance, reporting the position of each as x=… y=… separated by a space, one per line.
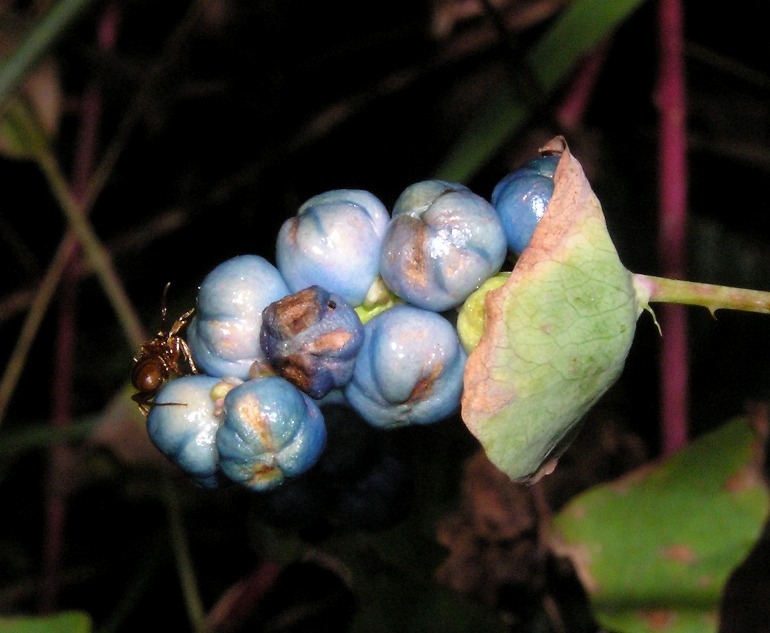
x=582 y=26
x=556 y=336
x=64 y=622
x=661 y=542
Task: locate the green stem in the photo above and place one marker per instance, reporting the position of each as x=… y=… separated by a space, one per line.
x=710 y=296
x=184 y=565
x=37 y=310
x=49 y=284
x=97 y=255
x=36 y=44
x=136 y=587
x=43 y=436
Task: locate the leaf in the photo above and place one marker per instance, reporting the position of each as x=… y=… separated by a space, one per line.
x=557 y=332
x=40 y=99
x=38 y=41
x=692 y=518
x=65 y=622
x=582 y=26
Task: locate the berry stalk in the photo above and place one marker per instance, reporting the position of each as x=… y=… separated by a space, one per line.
x=711 y=296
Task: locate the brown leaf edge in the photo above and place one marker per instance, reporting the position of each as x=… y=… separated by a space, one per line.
x=572 y=204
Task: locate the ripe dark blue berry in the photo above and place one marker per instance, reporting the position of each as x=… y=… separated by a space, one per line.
x=521 y=199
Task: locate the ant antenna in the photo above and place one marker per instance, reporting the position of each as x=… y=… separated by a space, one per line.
x=163 y=306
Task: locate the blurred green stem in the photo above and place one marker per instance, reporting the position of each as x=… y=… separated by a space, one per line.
x=98 y=179
x=38 y=436
x=78 y=222
x=35 y=314
x=184 y=564
x=36 y=44
x=137 y=586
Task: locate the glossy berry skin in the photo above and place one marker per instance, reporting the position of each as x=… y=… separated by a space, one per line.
x=223 y=336
x=334 y=241
x=442 y=243
x=271 y=431
x=311 y=338
x=521 y=199
x=409 y=370
x=183 y=426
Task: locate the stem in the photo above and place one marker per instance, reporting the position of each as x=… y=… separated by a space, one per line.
x=36 y=437
x=571 y=112
x=672 y=156
x=37 y=310
x=78 y=222
x=136 y=587
x=58 y=488
x=710 y=296
x=184 y=564
x=68 y=245
x=36 y=44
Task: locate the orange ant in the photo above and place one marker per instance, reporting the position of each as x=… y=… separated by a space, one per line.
x=167 y=352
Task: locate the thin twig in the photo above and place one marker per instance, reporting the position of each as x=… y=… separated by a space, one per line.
x=133 y=239
x=57 y=488
x=31 y=325
x=50 y=282
x=35 y=45
x=137 y=586
x=572 y=109
x=184 y=565
x=523 y=80
x=76 y=217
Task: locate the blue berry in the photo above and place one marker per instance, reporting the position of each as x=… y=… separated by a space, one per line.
x=182 y=424
x=542 y=165
x=521 y=199
x=442 y=243
x=409 y=370
x=270 y=431
x=311 y=338
x=224 y=333
x=334 y=241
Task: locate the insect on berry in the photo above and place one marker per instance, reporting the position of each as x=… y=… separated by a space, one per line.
x=165 y=353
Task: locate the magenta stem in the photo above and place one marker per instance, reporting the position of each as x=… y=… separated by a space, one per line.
x=61 y=416
x=572 y=109
x=59 y=456
x=672 y=157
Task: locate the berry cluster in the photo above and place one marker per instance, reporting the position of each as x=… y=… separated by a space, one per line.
x=360 y=310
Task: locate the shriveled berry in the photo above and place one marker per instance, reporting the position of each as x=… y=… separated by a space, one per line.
x=311 y=338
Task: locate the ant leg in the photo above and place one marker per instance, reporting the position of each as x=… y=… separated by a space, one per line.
x=181 y=322
x=187 y=354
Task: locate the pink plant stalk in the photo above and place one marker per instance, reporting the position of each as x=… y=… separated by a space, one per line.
x=59 y=461
x=672 y=160
x=572 y=109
